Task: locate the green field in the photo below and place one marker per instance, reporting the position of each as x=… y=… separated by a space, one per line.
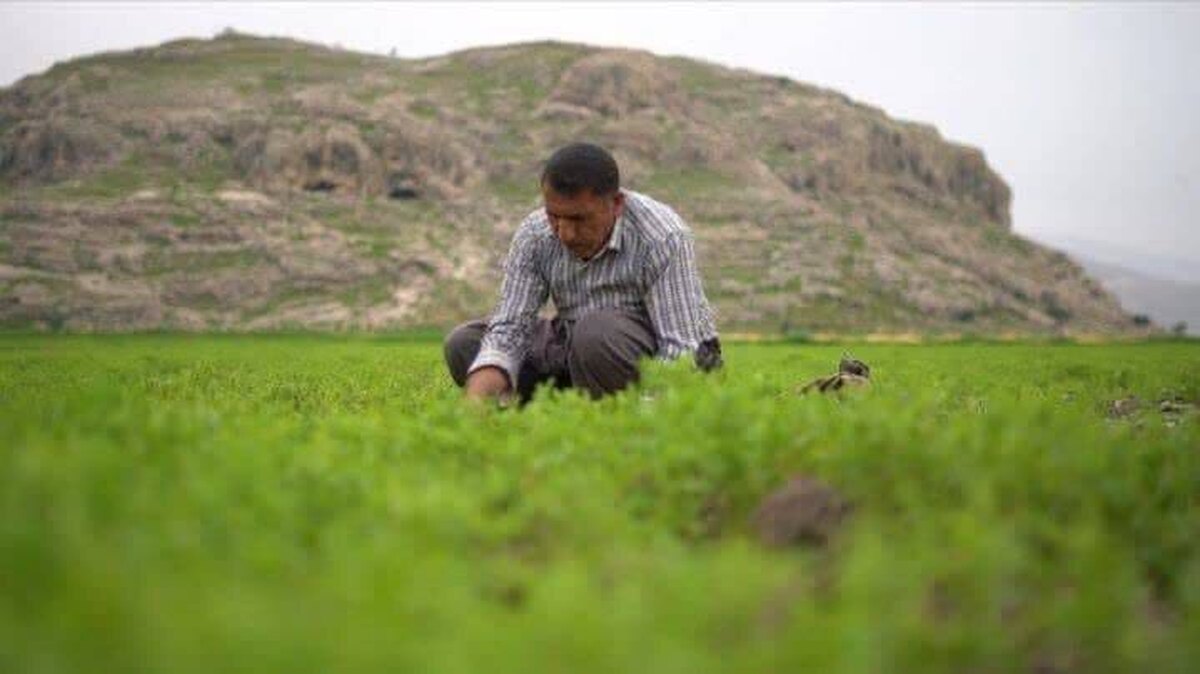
x=309 y=503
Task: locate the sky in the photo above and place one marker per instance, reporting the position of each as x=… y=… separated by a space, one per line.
x=1090 y=112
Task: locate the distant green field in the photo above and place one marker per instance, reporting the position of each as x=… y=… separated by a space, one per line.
x=312 y=504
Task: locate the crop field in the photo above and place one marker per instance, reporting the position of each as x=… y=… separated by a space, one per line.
x=329 y=503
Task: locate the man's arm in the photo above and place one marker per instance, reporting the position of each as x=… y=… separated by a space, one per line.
x=678 y=310
x=506 y=342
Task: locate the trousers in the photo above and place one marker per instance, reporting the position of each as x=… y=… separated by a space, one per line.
x=598 y=352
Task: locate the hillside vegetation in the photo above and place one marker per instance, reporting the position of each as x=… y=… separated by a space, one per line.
x=252 y=183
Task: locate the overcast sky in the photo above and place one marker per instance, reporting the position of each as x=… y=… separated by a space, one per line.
x=1090 y=112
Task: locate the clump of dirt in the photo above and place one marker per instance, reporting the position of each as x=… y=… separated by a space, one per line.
x=1124 y=407
x=803 y=511
x=1175 y=410
x=852 y=373
x=708 y=355
x=855 y=367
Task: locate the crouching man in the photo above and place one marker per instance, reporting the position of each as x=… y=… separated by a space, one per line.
x=621 y=270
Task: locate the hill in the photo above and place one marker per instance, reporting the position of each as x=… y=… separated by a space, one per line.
x=1166 y=302
x=254 y=183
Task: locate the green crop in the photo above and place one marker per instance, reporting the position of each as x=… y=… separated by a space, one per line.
x=307 y=503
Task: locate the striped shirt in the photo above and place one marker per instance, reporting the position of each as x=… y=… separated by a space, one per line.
x=647 y=267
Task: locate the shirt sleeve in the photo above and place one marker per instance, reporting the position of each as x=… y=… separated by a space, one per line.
x=679 y=311
x=524 y=290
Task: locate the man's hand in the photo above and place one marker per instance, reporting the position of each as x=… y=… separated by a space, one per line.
x=488 y=382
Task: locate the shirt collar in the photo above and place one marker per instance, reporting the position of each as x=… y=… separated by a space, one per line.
x=614 y=239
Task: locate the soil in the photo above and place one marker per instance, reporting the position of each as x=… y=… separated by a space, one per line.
x=803 y=511
x=851 y=373
x=1124 y=407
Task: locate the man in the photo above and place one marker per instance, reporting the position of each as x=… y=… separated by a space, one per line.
x=621 y=270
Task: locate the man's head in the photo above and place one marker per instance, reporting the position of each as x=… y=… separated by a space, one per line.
x=581 y=189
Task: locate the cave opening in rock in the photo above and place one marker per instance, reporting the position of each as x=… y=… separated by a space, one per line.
x=403 y=192
x=320 y=186
x=402 y=187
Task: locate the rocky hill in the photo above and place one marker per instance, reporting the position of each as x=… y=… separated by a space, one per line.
x=252 y=183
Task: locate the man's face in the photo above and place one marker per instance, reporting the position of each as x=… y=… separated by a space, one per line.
x=582 y=222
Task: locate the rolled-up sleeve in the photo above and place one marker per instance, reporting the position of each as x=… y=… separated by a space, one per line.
x=522 y=294
x=679 y=311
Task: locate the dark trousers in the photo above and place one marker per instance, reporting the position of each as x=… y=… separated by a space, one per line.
x=598 y=353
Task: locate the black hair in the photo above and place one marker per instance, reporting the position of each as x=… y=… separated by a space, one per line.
x=582 y=166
